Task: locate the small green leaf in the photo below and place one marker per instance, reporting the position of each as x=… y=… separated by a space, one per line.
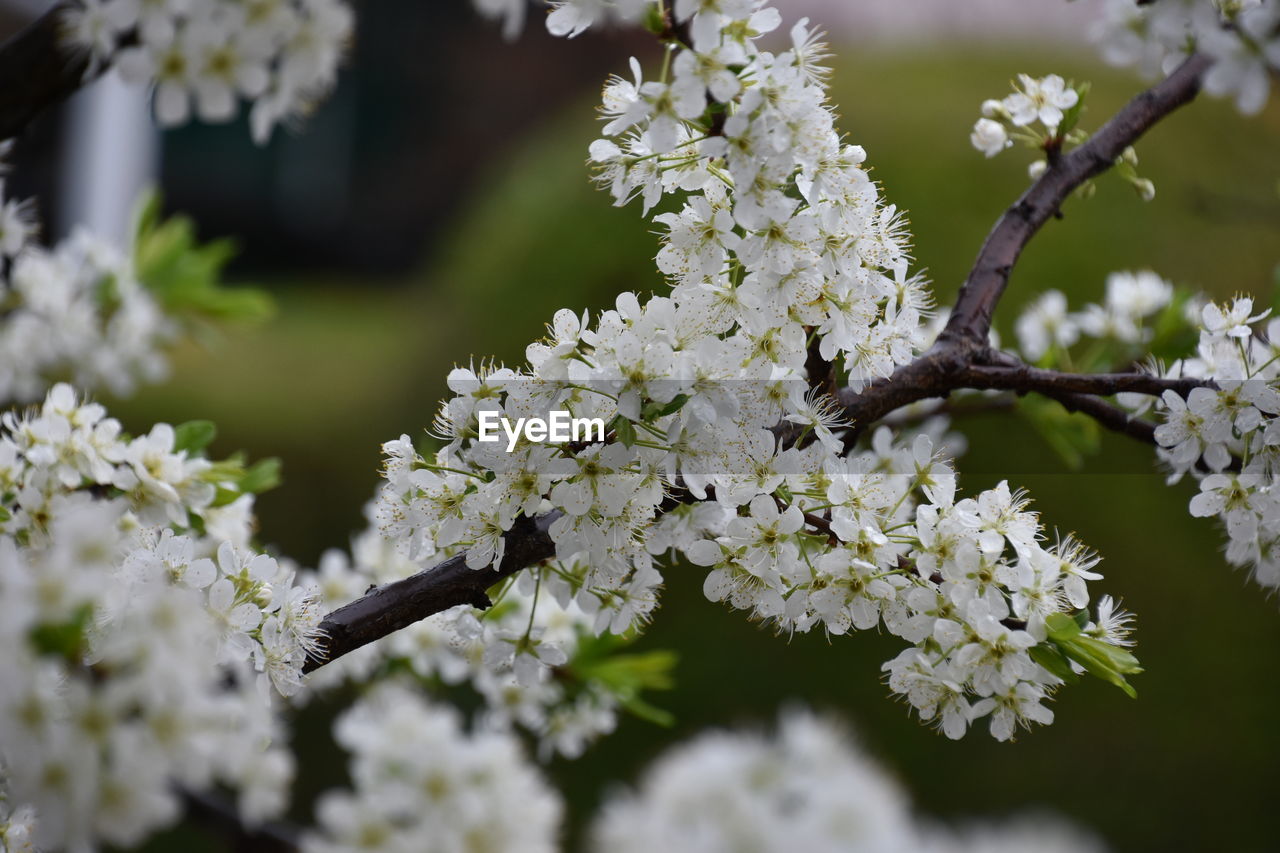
x=193 y=436
x=676 y=404
x=654 y=410
x=262 y=476
x=624 y=430
x=1102 y=659
x=653 y=20
x=224 y=497
x=1061 y=627
x=185 y=275
x=649 y=713
x=626 y=676
x=1049 y=657
x=64 y=639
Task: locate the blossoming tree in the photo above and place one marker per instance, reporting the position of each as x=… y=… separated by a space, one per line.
x=775 y=418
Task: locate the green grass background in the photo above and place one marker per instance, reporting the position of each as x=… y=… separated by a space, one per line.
x=1192 y=764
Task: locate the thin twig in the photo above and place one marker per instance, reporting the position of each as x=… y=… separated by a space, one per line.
x=1023 y=378
x=388 y=608
x=971 y=318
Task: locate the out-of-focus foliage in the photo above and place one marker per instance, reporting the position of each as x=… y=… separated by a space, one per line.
x=184 y=274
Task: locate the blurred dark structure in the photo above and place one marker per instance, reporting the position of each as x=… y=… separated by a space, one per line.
x=430 y=95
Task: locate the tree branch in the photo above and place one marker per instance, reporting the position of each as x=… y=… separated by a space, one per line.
x=37 y=71
x=213 y=811
x=1112 y=417
x=960 y=359
x=386 y=609
x=1022 y=378
x=971 y=318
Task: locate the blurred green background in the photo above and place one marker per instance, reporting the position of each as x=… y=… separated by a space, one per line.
x=1192 y=764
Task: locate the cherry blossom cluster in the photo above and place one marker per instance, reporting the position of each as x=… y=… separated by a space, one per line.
x=421 y=782
x=968 y=583
x=1045 y=101
x=424 y=784
x=507 y=654
x=1226 y=435
x=1043 y=114
x=76 y=310
x=782 y=236
x=784 y=263
x=809 y=787
x=1242 y=36
x=205 y=57
x=1046 y=329
x=142 y=635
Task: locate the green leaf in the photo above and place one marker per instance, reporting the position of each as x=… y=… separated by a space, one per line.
x=184 y=275
x=649 y=713
x=1061 y=627
x=262 y=476
x=146 y=213
x=1101 y=659
x=626 y=676
x=64 y=639
x=624 y=430
x=223 y=496
x=194 y=436
x=676 y=404
x=653 y=20
x=1051 y=658
x=654 y=410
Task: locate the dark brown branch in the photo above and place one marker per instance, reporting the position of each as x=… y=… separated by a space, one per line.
x=945 y=369
x=932 y=374
x=1112 y=417
x=388 y=608
x=971 y=318
x=1023 y=378
x=37 y=71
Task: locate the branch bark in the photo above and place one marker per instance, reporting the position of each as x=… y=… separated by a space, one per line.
x=37 y=71
x=971 y=318
x=386 y=609
x=1112 y=417
x=1022 y=378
